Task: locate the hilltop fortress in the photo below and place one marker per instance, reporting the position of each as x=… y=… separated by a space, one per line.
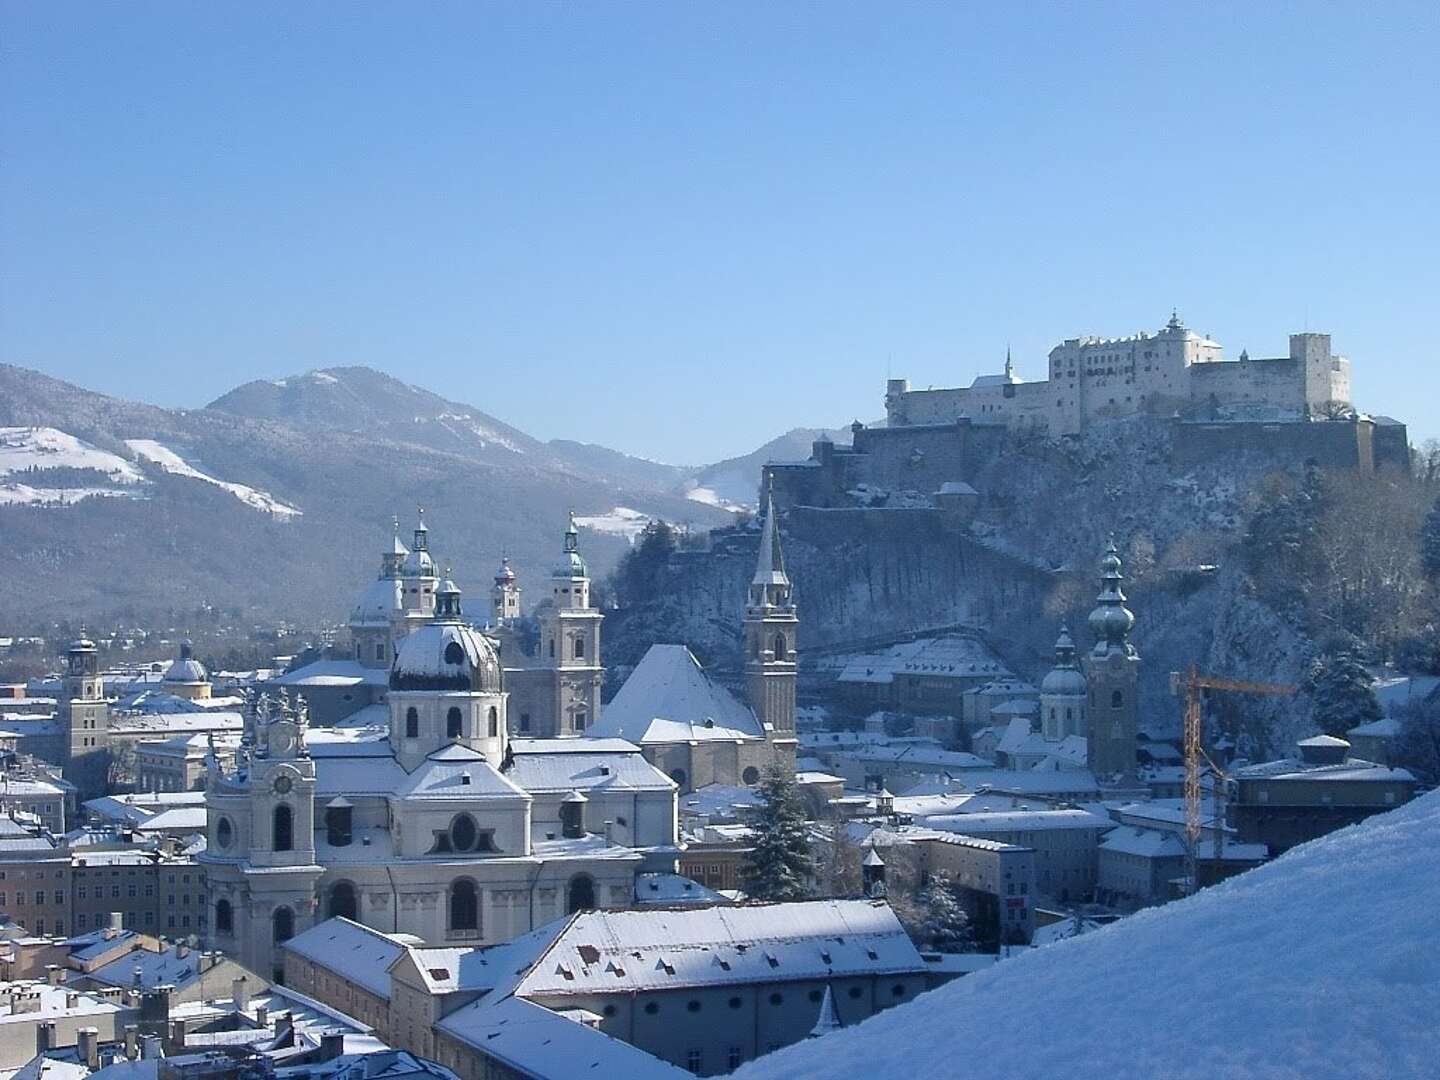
x=1174 y=369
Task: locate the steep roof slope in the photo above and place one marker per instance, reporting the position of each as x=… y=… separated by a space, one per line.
x=1320 y=964
x=670 y=698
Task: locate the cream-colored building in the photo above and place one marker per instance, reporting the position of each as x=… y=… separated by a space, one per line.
x=1093 y=378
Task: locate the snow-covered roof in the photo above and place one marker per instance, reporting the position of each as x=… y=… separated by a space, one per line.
x=143 y=968
x=165 y=725
x=669 y=698
x=178 y=819
x=1017 y=821
x=670 y=890
x=1352 y=769
x=1385 y=728
x=333 y=673
x=1346 y=919
x=544 y=1045
x=360 y=954
x=553 y=770
x=719 y=800
x=458 y=772
x=446 y=655
x=347 y=775
x=379 y=604
x=629 y=951
x=1323 y=740
x=955 y=657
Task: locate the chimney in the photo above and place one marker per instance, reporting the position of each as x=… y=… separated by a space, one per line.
x=262 y=1016
x=240 y=994
x=149 y=1047
x=182 y=951
x=117 y=921
x=44 y=1036
x=177 y=1034
x=54 y=974
x=132 y=1042
x=332 y=1045
x=87 y=1045
x=72 y=1000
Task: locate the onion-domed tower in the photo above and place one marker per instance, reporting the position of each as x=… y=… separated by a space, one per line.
x=570 y=646
x=1112 y=673
x=418 y=580
x=379 y=614
x=445 y=687
x=505 y=598
x=1062 y=693
x=85 y=719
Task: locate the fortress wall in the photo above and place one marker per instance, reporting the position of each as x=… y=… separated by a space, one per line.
x=1257 y=382
x=1340 y=444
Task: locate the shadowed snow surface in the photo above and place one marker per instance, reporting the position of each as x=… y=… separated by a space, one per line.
x=1322 y=964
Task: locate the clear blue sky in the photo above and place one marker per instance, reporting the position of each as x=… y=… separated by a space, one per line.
x=681 y=228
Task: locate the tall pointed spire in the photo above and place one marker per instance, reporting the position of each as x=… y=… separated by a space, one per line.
x=1009 y=365
x=770 y=564
x=829 y=1018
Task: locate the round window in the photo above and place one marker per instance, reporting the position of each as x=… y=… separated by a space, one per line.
x=815 y=995
x=751 y=775
x=693 y=1006
x=898 y=990
x=651 y=1008
x=224 y=833
x=463 y=833
x=855 y=992
x=776 y=999
x=609 y=1010
x=734 y=1002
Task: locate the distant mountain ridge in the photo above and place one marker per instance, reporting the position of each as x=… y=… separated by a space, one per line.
x=275 y=499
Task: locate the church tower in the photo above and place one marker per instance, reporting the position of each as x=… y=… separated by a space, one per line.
x=260 y=852
x=1112 y=674
x=418 y=580
x=570 y=644
x=1062 y=693
x=769 y=634
x=380 y=612
x=505 y=597
x=85 y=718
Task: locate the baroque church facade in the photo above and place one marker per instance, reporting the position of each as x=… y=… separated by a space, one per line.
x=465 y=786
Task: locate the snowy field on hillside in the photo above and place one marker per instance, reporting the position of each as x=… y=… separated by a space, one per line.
x=1322 y=964
x=172 y=462
x=621 y=521
x=43 y=448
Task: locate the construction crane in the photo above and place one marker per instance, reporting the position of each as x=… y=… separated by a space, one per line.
x=1192 y=686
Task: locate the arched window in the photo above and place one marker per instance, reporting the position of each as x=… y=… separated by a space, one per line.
x=412 y=723
x=679 y=776
x=464 y=906
x=580 y=896
x=454 y=653
x=380 y=650
x=452 y=723
x=343 y=901
x=780 y=651
x=579 y=648
x=581 y=719
x=1117 y=699
x=224 y=917
x=282 y=831
x=1052 y=712
x=552 y=648
x=282 y=925
x=494 y=721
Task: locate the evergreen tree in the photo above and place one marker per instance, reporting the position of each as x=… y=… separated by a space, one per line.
x=1430 y=544
x=945 y=926
x=780 y=866
x=1417 y=746
x=1340 y=686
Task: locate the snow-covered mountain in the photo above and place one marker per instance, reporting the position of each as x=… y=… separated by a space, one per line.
x=1319 y=965
x=277 y=498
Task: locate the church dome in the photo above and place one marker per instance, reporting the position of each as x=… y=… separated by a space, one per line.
x=186 y=669
x=446 y=656
x=381 y=601
x=572 y=565
x=1063 y=682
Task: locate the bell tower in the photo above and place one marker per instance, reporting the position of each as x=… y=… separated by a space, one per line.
x=260 y=851
x=85 y=718
x=769 y=633
x=505 y=597
x=1112 y=673
x=570 y=644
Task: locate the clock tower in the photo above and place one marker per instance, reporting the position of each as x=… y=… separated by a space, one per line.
x=261 y=838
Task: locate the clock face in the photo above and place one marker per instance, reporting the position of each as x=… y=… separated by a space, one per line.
x=283 y=784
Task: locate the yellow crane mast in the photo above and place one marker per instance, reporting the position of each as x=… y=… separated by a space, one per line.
x=1192 y=686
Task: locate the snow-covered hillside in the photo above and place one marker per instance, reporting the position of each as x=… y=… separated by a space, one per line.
x=1319 y=965
x=172 y=462
x=27 y=454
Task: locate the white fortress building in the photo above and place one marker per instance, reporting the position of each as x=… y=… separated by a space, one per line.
x=1173 y=369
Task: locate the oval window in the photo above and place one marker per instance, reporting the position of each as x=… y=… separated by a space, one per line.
x=454 y=653
x=224 y=833
x=463 y=833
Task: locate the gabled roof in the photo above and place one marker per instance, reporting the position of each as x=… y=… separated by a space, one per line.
x=457 y=772
x=669 y=698
x=579 y=771
x=361 y=954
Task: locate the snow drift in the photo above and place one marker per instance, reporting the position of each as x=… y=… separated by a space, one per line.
x=1321 y=964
